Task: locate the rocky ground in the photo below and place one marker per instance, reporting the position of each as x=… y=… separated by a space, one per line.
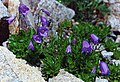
x=114 y=17
x=16 y=70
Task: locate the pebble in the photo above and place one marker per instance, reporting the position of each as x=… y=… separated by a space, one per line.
x=116 y=62
x=106 y=54
x=100 y=80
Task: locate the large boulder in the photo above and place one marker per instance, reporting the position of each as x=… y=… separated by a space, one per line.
x=16 y=70
x=58 y=13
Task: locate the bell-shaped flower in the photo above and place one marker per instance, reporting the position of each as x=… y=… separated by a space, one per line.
x=23 y=9
x=94 y=70
x=31 y=46
x=43 y=31
x=44 y=21
x=74 y=41
x=94 y=38
x=10 y=19
x=46 y=12
x=104 y=68
x=86 y=47
x=37 y=38
x=68 y=49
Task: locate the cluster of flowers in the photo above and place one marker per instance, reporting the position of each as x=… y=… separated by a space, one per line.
x=87 y=48
x=23 y=9
x=42 y=31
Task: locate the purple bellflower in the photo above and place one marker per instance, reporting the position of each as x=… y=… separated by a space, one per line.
x=31 y=46
x=68 y=49
x=46 y=12
x=10 y=19
x=23 y=9
x=74 y=41
x=37 y=38
x=43 y=31
x=104 y=68
x=44 y=21
x=86 y=47
x=94 y=70
x=94 y=38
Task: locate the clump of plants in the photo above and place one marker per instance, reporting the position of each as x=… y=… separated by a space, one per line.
x=77 y=48
x=88 y=10
x=73 y=49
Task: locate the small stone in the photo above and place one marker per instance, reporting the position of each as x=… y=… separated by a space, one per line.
x=114 y=22
x=100 y=80
x=118 y=39
x=116 y=62
x=106 y=54
x=3 y=11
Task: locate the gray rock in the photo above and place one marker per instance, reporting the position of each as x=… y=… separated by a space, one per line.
x=58 y=13
x=100 y=80
x=116 y=62
x=16 y=70
x=118 y=39
x=3 y=11
x=64 y=76
x=106 y=54
x=115 y=8
x=111 y=1
x=114 y=17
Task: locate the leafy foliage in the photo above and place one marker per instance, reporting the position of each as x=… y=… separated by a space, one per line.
x=53 y=54
x=87 y=10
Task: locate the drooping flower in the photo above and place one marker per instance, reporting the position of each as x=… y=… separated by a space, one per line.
x=43 y=31
x=10 y=19
x=46 y=12
x=37 y=38
x=31 y=46
x=44 y=21
x=94 y=38
x=68 y=49
x=104 y=68
x=94 y=70
x=23 y=9
x=86 y=47
x=74 y=41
